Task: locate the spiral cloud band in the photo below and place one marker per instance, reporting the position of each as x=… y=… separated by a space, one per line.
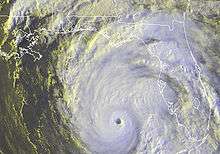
x=140 y=87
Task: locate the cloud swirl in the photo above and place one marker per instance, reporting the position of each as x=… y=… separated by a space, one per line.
x=138 y=87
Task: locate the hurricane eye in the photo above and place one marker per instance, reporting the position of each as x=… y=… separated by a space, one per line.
x=118 y=121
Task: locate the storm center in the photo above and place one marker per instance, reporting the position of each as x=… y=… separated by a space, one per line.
x=118 y=121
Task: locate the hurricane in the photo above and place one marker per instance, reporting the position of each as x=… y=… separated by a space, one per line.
x=138 y=81
x=139 y=87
